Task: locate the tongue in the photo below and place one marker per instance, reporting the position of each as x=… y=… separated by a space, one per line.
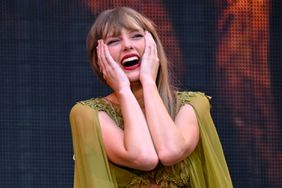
x=130 y=63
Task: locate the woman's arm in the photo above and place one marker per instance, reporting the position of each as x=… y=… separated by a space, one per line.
x=132 y=147
x=174 y=139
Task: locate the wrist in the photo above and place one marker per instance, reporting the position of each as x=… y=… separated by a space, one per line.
x=123 y=91
x=149 y=84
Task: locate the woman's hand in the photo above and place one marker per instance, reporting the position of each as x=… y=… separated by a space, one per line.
x=112 y=73
x=150 y=60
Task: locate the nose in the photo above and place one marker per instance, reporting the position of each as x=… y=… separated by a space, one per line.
x=127 y=44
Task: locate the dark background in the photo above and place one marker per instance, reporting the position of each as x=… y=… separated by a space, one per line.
x=44 y=71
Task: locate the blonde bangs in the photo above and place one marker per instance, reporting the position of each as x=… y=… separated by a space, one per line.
x=115 y=23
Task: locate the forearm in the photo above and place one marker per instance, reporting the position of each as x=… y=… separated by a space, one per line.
x=168 y=139
x=137 y=138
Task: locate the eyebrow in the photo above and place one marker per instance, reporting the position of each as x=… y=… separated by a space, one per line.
x=116 y=34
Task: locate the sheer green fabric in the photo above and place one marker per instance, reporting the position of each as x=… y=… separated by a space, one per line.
x=205 y=167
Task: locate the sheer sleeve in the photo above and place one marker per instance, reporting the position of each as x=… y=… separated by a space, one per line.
x=213 y=166
x=91 y=164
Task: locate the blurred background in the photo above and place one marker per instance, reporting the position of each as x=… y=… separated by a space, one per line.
x=229 y=49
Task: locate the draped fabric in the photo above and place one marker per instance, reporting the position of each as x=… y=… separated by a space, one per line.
x=205 y=167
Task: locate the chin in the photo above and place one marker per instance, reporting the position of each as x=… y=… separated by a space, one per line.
x=133 y=76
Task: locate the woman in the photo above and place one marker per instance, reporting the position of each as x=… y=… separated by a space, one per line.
x=144 y=133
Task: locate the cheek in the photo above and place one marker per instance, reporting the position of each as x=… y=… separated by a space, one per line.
x=114 y=51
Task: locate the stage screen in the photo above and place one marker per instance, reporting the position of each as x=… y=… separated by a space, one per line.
x=230 y=50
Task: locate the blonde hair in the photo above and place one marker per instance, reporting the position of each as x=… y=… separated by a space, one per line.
x=110 y=22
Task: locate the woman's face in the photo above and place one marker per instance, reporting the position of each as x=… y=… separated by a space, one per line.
x=127 y=50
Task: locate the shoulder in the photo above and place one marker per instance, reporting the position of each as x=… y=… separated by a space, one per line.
x=79 y=108
x=86 y=108
x=198 y=100
x=84 y=123
x=193 y=98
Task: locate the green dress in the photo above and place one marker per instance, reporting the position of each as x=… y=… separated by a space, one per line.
x=205 y=167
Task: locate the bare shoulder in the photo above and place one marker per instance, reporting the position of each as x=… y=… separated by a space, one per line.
x=106 y=121
x=186 y=113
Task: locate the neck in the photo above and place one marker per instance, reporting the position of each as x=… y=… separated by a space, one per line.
x=136 y=89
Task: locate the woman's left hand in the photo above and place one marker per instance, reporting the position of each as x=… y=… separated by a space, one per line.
x=112 y=73
x=150 y=60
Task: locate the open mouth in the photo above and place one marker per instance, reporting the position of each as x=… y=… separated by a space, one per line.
x=130 y=62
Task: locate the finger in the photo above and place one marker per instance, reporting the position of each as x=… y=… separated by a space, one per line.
x=147 y=51
x=153 y=45
x=107 y=65
x=100 y=60
x=108 y=56
x=102 y=52
x=150 y=37
x=99 y=56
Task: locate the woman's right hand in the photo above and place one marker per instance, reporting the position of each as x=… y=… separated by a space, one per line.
x=112 y=72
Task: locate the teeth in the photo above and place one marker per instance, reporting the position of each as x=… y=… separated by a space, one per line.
x=129 y=59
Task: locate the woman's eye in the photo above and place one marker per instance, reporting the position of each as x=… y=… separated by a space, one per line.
x=111 y=42
x=137 y=36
